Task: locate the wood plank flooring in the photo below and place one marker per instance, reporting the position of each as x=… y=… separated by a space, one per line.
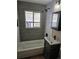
x=35 y=57
x=38 y=57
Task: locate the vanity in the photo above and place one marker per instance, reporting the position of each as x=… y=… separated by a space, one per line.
x=51 y=48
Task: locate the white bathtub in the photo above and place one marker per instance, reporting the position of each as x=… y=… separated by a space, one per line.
x=30 y=48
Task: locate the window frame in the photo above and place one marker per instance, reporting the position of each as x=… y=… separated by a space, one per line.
x=33 y=20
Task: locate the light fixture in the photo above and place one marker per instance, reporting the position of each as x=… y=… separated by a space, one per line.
x=57 y=5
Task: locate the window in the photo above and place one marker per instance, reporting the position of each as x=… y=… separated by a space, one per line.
x=32 y=19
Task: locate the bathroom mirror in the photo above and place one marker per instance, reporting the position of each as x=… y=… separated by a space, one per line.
x=56 y=21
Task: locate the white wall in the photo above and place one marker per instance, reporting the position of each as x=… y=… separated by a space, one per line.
x=18 y=35
x=48 y=29
x=48 y=18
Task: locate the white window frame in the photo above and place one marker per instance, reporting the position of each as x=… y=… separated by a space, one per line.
x=33 y=20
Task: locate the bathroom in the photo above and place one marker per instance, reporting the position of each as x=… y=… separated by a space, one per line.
x=33 y=35
x=33 y=29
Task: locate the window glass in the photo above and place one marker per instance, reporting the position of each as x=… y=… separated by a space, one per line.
x=29 y=25
x=36 y=24
x=29 y=16
x=36 y=17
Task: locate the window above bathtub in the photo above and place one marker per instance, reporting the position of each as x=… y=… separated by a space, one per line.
x=32 y=19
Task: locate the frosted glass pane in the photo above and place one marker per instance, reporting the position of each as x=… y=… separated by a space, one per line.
x=29 y=16
x=29 y=25
x=36 y=17
x=36 y=24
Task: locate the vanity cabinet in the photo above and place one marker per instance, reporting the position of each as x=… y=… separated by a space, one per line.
x=51 y=51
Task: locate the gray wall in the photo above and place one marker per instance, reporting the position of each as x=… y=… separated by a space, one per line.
x=51 y=32
x=34 y=33
x=18 y=35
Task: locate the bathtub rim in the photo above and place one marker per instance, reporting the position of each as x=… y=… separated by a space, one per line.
x=20 y=50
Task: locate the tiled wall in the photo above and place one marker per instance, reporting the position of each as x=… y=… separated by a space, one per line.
x=49 y=30
x=34 y=33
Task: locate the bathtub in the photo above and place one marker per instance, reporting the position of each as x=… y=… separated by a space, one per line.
x=30 y=48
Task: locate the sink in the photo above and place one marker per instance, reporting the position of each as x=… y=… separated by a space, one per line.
x=51 y=41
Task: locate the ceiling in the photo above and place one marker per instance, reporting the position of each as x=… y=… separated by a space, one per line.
x=44 y=2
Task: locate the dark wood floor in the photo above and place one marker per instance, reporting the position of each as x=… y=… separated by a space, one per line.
x=38 y=57
x=35 y=57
